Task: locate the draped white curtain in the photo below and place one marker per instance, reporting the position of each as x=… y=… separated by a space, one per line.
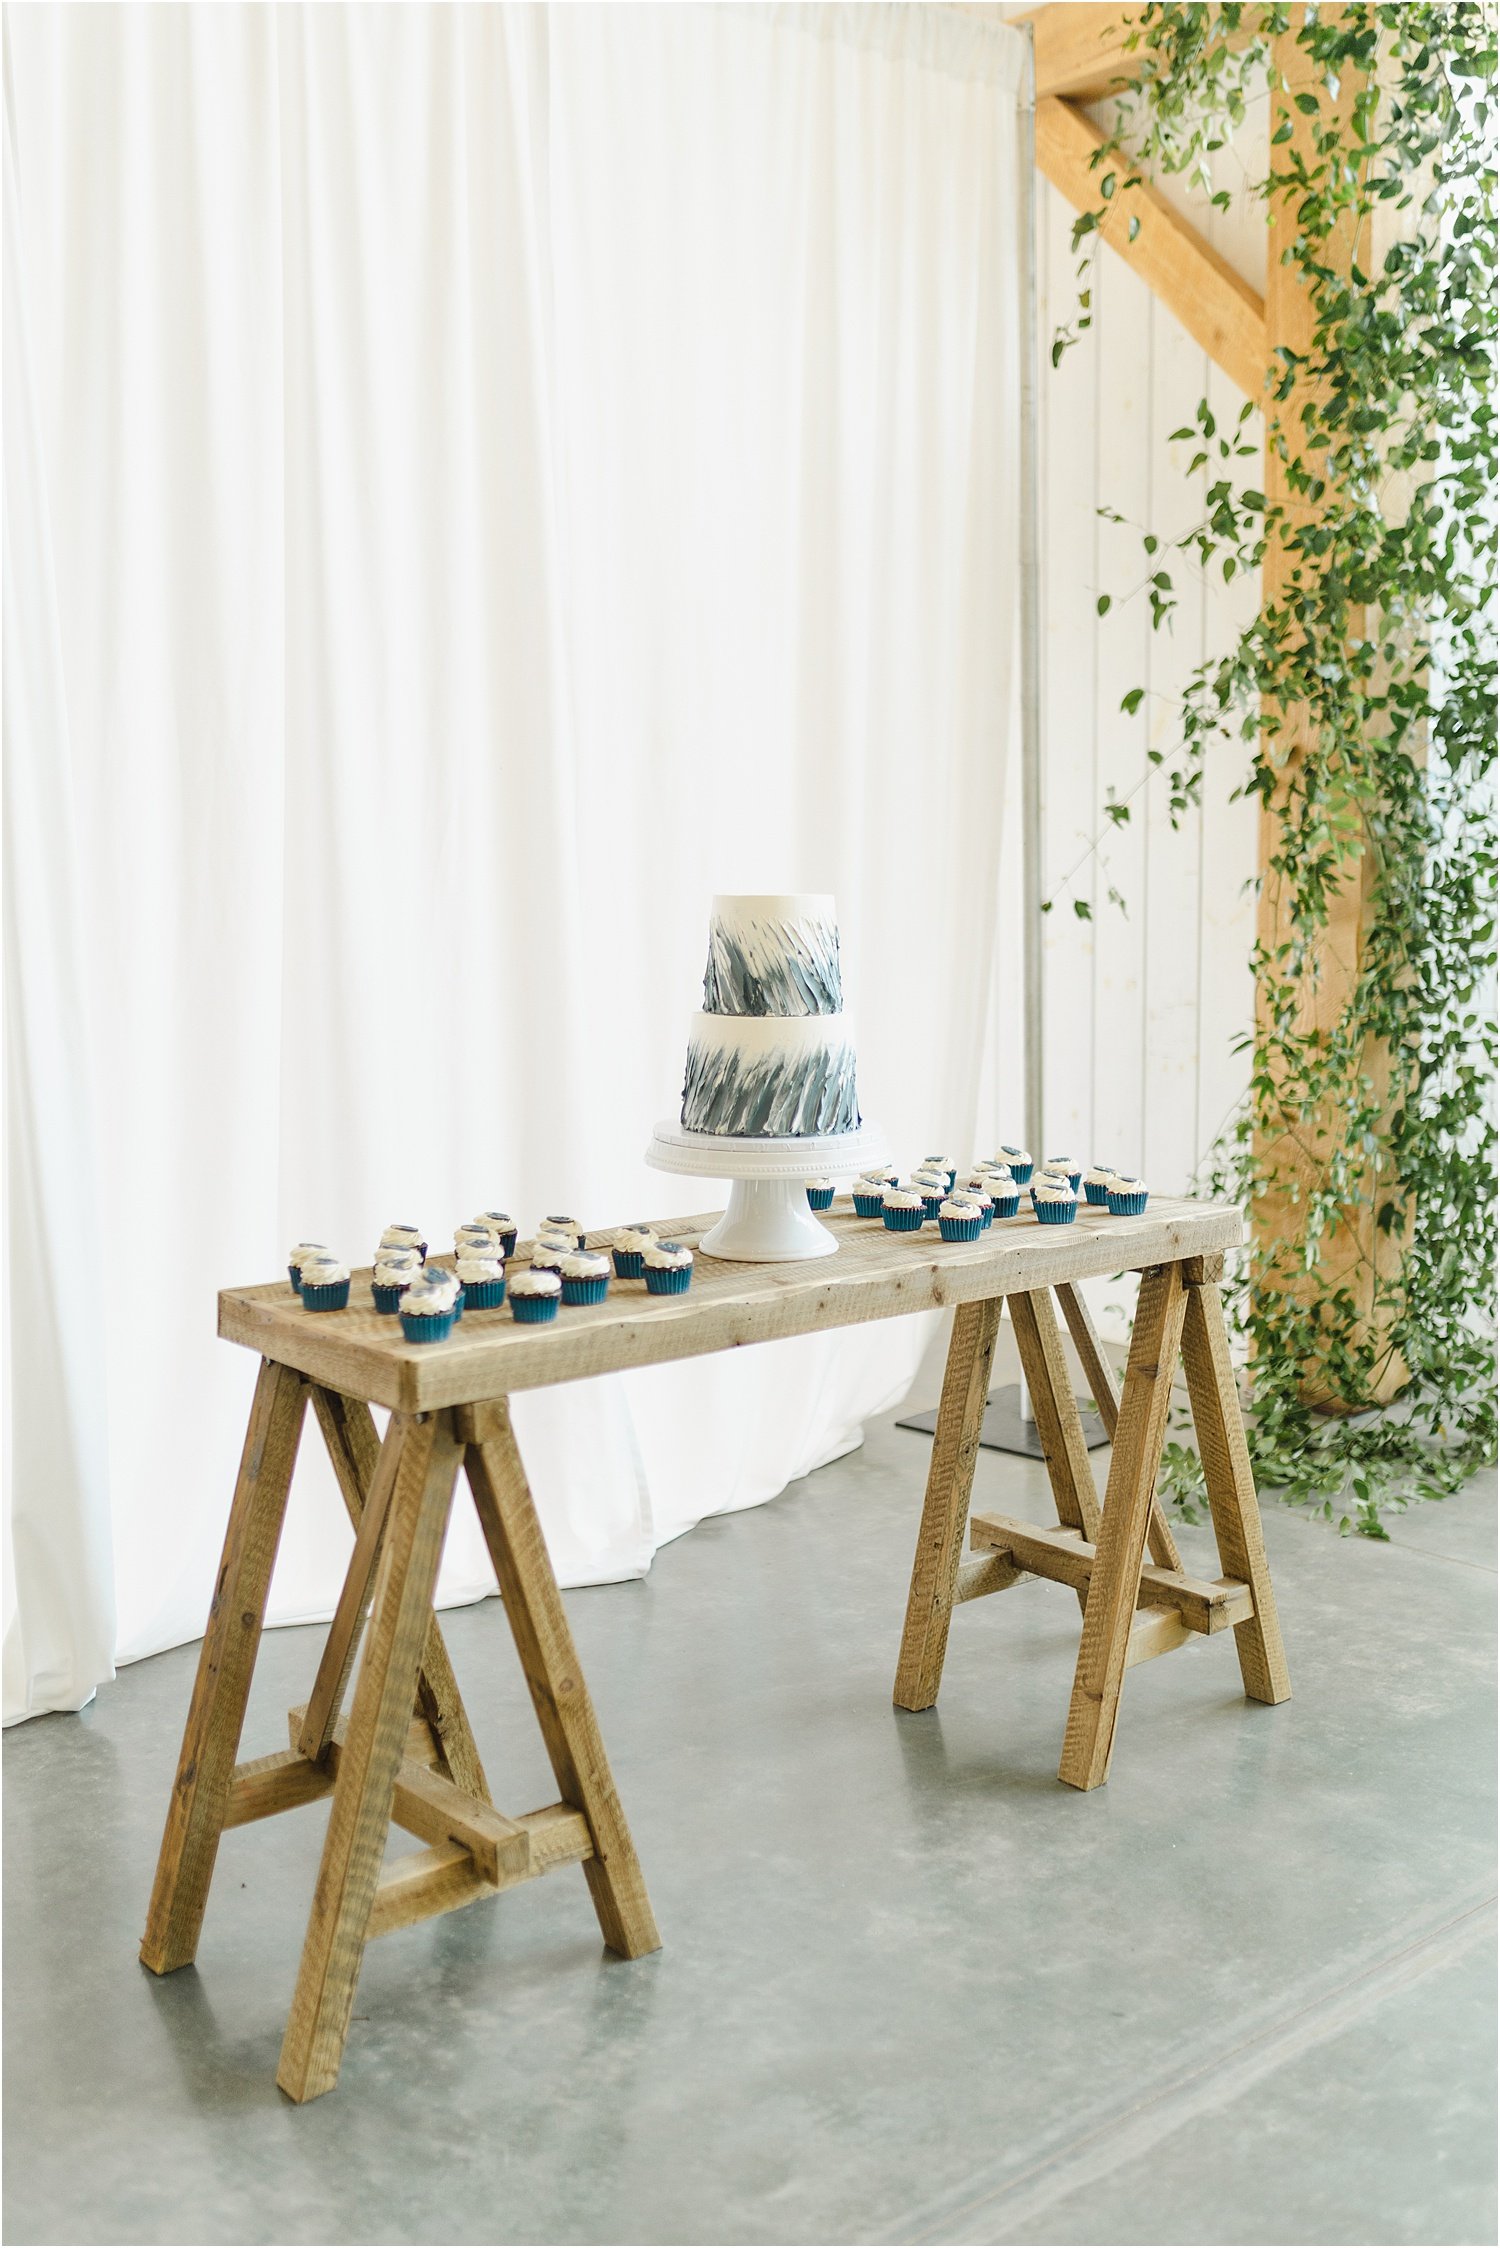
x=477 y=481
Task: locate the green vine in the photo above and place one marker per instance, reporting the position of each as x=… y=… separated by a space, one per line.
x=1359 y=706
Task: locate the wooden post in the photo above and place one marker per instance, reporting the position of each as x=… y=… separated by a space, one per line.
x=1358 y=1253
x=945 y=1509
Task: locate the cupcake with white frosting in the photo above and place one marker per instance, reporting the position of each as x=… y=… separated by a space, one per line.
x=819 y=1194
x=395 y=1270
x=555 y=1224
x=1054 y=1202
x=585 y=1277
x=475 y=1239
x=1128 y=1197
x=502 y=1223
x=325 y=1283
x=481 y=1276
x=903 y=1209
x=869 y=1192
x=630 y=1246
x=933 y=1188
x=669 y=1268
x=535 y=1295
x=947 y=1165
x=1068 y=1166
x=1016 y=1160
x=404 y=1237
x=1096 y=1183
x=983 y=1201
x=959 y=1219
x=548 y=1251
x=1005 y=1195
x=303 y=1252
x=430 y=1306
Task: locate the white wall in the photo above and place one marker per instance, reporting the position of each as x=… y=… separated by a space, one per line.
x=1143 y=1007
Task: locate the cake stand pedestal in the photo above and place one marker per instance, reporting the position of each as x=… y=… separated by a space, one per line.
x=768 y=1220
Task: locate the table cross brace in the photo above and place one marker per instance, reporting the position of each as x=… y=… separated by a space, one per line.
x=404 y=1754
x=1133 y=1610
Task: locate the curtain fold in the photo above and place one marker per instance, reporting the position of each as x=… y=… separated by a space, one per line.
x=513 y=473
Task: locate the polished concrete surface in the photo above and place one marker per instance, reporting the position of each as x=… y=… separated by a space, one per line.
x=912 y=1989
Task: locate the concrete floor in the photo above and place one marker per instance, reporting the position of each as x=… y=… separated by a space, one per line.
x=911 y=1990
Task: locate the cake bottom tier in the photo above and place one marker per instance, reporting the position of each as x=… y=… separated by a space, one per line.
x=770 y=1076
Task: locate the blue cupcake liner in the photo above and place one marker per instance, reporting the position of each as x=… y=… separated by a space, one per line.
x=532 y=1310
x=668 y=1280
x=932 y=1203
x=484 y=1295
x=587 y=1291
x=1007 y=1206
x=820 y=1198
x=1020 y=1172
x=1055 y=1213
x=294 y=1274
x=960 y=1229
x=1128 y=1205
x=903 y=1221
x=629 y=1263
x=387 y=1300
x=1098 y=1195
x=427 y=1326
x=458 y=1308
x=333 y=1295
x=1073 y=1178
x=868 y=1205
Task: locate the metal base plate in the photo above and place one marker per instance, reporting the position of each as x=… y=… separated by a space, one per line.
x=1005 y=1431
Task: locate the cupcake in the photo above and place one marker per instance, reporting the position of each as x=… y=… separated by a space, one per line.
x=1055 y=1202
x=946 y=1164
x=482 y=1279
x=585 y=1278
x=569 y=1226
x=669 y=1268
x=819 y=1194
x=305 y=1252
x=534 y=1296
x=869 y=1197
x=1069 y=1167
x=1016 y=1160
x=502 y=1223
x=903 y=1209
x=982 y=1200
x=933 y=1192
x=1127 y=1197
x=959 y=1219
x=880 y=1174
x=1005 y=1198
x=631 y=1244
x=1096 y=1183
x=547 y=1256
x=430 y=1306
x=475 y=1239
x=325 y=1283
x=393 y=1275
x=403 y=1237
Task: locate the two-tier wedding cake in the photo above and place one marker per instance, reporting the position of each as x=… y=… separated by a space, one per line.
x=771 y=1055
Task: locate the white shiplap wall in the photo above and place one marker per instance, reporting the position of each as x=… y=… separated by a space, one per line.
x=1143 y=1007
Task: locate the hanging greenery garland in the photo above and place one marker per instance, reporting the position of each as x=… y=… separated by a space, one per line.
x=1360 y=707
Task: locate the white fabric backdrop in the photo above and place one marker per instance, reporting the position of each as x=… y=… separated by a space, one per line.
x=510 y=474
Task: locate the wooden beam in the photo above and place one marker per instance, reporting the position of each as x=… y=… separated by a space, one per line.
x=278 y=1782
x=1219 y=310
x=1080 y=50
x=424 y=1883
x=429 y=1805
x=1206 y=1604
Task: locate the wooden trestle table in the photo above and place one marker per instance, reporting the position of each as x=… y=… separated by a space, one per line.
x=406 y=1752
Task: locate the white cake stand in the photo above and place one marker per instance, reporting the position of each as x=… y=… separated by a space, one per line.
x=768 y=1220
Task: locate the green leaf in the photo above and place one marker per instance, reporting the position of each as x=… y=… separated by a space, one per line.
x=1131 y=703
x=1102 y=605
x=1083 y=909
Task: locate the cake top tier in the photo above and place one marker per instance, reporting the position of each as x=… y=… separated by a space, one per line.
x=773 y=955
